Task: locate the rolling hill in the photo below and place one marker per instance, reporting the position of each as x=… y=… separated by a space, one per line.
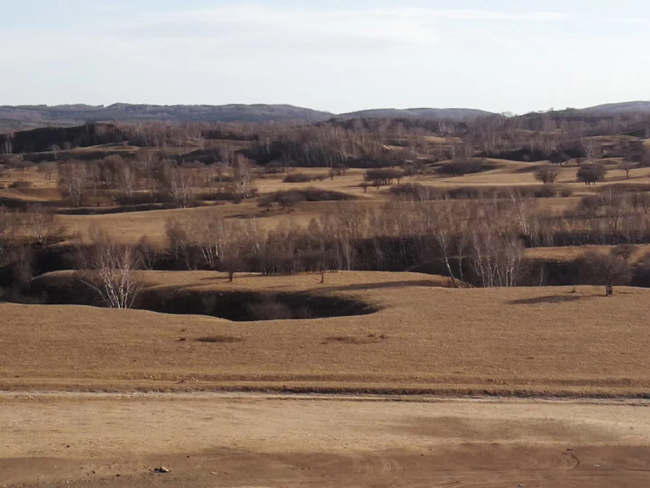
x=31 y=116
x=419 y=113
x=25 y=117
x=618 y=108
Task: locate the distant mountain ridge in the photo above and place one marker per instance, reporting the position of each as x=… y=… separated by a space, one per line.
x=27 y=116
x=420 y=113
x=32 y=116
x=23 y=117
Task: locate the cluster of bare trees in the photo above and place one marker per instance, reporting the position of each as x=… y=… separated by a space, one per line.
x=481 y=243
x=548 y=132
x=466 y=238
x=35 y=224
x=152 y=179
x=477 y=242
x=22 y=234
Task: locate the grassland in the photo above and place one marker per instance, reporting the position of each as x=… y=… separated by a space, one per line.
x=92 y=396
x=130 y=227
x=426 y=338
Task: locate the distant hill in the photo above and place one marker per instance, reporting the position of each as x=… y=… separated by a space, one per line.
x=618 y=108
x=26 y=117
x=457 y=114
x=31 y=116
x=34 y=116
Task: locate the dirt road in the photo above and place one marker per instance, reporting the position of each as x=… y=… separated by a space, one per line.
x=211 y=440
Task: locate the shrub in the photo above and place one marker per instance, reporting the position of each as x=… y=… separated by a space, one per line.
x=461 y=168
x=589 y=205
x=590 y=173
x=413 y=191
x=298 y=178
x=219 y=339
x=547 y=174
x=559 y=157
x=289 y=199
x=21 y=184
x=384 y=176
x=546 y=191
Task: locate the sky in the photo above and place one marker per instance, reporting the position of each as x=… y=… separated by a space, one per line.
x=339 y=56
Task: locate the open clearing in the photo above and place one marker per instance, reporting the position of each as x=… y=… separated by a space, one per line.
x=425 y=338
x=236 y=441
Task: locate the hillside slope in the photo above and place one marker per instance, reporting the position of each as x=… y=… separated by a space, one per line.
x=42 y=115
x=419 y=113
x=618 y=108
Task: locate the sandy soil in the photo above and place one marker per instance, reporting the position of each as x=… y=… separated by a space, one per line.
x=244 y=440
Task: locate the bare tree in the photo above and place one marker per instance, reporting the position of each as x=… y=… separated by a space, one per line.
x=42 y=224
x=627 y=167
x=593 y=149
x=8 y=227
x=109 y=269
x=148 y=253
x=243 y=176
x=606 y=270
x=220 y=245
x=497 y=259
x=179 y=184
x=73 y=178
x=547 y=174
x=121 y=174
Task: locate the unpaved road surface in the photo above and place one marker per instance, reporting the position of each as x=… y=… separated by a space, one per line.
x=210 y=440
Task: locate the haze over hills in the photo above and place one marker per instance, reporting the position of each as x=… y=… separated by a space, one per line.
x=32 y=116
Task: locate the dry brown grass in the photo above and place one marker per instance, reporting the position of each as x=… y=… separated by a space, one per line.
x=131 y=227
x=572 y=253
x=510 y=341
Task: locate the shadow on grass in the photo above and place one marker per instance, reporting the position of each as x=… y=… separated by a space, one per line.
x=550 y=299
x=379 y=286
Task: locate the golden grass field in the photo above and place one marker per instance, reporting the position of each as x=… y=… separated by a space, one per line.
x=426 y=338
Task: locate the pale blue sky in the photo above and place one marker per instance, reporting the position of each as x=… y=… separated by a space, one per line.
x=500 y=55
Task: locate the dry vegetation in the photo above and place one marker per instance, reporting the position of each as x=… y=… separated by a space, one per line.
x=296 y=225
x=425 y=338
